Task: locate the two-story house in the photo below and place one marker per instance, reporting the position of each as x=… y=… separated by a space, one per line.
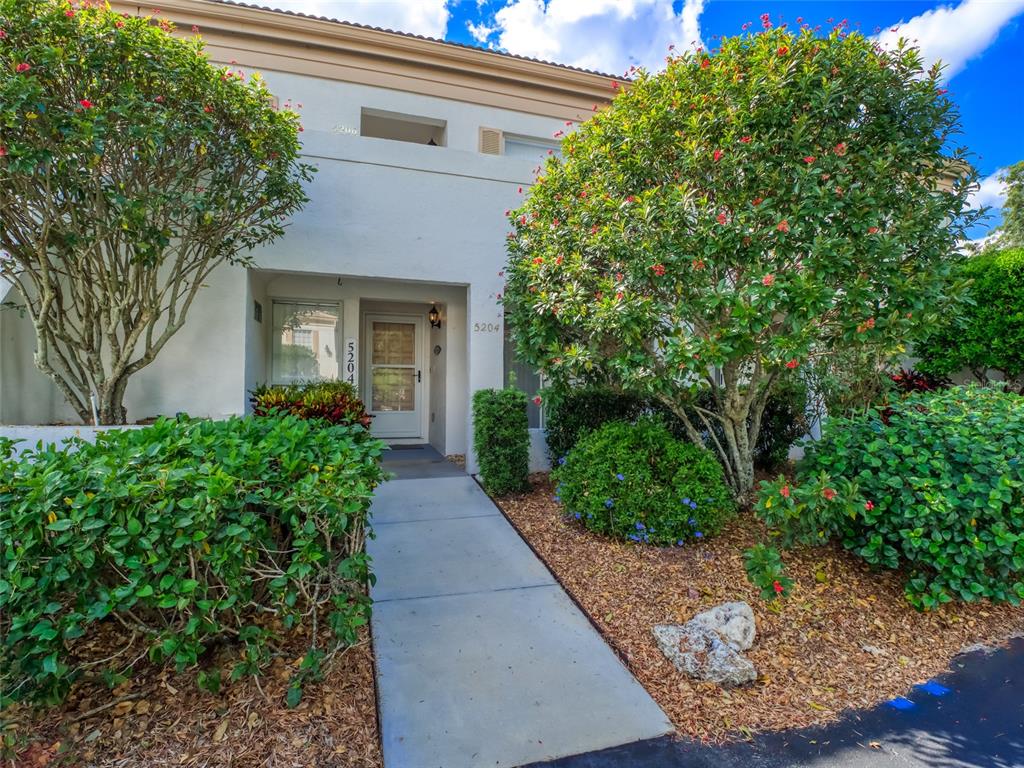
x=390 y=277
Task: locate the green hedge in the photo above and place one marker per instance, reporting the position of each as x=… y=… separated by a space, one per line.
x=501 y=438
x=934 y=483
x=575 y=413
x=989 y=331
x=638 y=482
x=189 y=532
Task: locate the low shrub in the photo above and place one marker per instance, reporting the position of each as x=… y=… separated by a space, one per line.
x=934 y=484
x=639 y=482
x=335 y=402
x=189 y=533
x=501 y=438
x=988 y=332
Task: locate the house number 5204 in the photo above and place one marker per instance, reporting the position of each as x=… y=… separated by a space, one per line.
x=486 y=327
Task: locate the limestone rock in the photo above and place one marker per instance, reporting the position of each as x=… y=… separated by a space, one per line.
x=710 y=645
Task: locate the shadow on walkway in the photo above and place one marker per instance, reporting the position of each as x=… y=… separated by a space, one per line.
x=972 y=716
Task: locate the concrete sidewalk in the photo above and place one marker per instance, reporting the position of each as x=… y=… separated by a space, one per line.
x=482 y=659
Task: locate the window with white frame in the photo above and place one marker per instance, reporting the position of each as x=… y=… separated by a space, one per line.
x=305 y=341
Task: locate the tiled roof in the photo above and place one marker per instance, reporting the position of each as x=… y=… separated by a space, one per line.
x=408 y=34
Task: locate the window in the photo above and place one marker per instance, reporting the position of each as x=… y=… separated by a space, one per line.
x=530 y=148
x=526 y=379
x=378 y=124
x=305 y=342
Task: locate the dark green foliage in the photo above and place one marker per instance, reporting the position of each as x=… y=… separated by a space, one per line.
x=190 y=532
x=988 y=333
x=572 y=414
x=501 y=439
x=575 y=413
x=336 y=402
x=638 y=482
x=766 y=571
x=935 y=483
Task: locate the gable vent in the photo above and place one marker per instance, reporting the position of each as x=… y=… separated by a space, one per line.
x=490 y=141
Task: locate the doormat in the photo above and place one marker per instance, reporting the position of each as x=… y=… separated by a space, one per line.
x=419 y=447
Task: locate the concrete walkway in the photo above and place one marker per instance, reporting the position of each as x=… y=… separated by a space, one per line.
x=482 y=659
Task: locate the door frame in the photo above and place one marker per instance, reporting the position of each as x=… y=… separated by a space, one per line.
x=422 y=358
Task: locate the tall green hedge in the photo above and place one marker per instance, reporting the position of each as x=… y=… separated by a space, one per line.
x=988 y=334
x=501 y=438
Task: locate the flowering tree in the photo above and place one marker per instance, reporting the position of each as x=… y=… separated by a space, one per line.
x=728 y=220
x=130 y=169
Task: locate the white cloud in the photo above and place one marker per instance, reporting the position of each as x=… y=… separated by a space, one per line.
x=954 y=35
x=991 y=191
x=604 y=35
x=480 y=32
x=420 y=17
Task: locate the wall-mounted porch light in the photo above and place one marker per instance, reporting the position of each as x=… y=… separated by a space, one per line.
x=434 y=317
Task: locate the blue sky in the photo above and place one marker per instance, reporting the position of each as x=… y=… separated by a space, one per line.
x=981 y=41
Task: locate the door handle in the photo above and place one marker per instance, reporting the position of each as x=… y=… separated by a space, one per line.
x=419 y=376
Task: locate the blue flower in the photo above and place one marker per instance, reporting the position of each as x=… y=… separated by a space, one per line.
x=620 y=476
x=634 y=537
x=699 y=535
x=590 y=515
x=686 y=502
x=609 y=503
x=680 y=543
x=692 y=521
x=558 y=498
x=693 y=505
x=577 y=515
x=640 y=526
x=562 y=460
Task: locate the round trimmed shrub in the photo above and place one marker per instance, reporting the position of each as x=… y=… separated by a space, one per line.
x=933 y=483
x=638 y=482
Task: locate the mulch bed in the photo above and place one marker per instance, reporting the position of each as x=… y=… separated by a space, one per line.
x=846 y=638
x=160 y=718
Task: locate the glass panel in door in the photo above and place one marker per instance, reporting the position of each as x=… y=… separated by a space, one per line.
x=395 y=378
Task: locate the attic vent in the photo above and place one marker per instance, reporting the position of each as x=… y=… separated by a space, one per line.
x=490 y=141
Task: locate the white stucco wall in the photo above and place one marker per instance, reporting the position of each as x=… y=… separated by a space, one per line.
x=379 y=210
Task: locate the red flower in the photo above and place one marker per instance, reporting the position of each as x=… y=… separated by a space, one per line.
x=705 y=63
x=69 y=13
x=658 y=269
x=829 y=494
x=745 y=139
x=768 y=279
x=722 y=218
x=697 y=264
x=207 y=109
x=758 y=200
x=538 y=260
x=717 y=155
x=783 y=226
x=810 y=159
x=2 y=34
x=195 y=30
x=840 y=149
x=559 y=260
x=792 y=364
x=766 y=21
x=618 y=276
x=869 y=505
x=23 y=67
x=631 y=199
x=784 y=491
x=618 y=295
x=537 y=400
x=872 y=230
x=86 y=104
x=783 y=50
x=777 y=587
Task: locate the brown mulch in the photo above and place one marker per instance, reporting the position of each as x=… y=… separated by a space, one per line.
x=845 y=638
x=160 y=718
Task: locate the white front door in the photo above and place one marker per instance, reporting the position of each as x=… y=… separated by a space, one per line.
x=394 y=375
